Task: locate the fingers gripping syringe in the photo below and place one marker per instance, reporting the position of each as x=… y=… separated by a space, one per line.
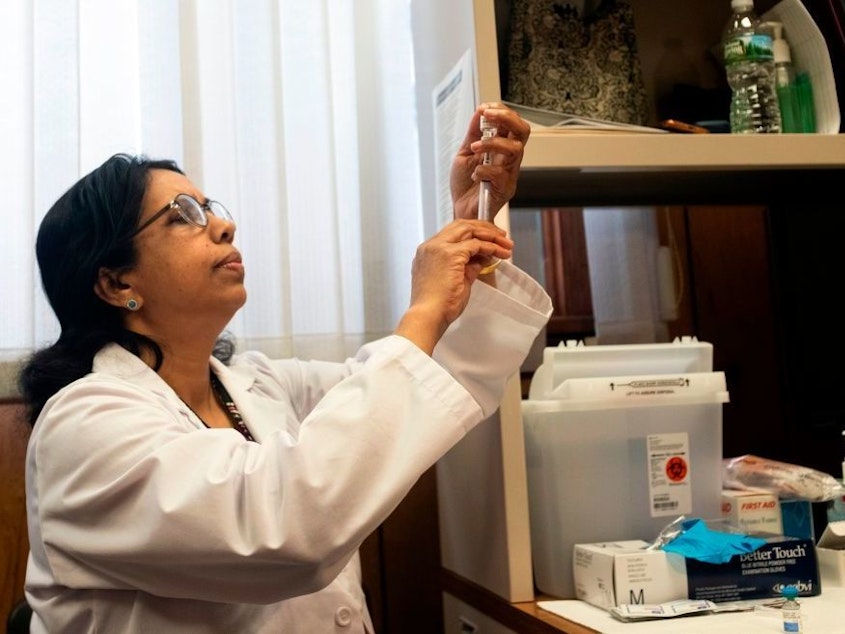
x=488 y=130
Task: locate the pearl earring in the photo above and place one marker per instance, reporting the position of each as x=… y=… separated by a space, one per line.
x=132 y=304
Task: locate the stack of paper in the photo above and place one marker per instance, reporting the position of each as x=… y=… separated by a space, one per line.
x=564 y=122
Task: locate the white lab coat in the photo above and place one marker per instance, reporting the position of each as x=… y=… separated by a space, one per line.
x=141 y=519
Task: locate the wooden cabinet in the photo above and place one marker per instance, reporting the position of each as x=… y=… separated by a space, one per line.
x=760 y=258
x=761 y=286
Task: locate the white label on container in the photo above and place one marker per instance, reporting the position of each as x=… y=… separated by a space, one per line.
x=669 y=477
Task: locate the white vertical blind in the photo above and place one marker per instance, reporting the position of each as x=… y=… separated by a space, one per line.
x=16 y=117
x=298 y=116
x=109 y=92
x=622 y=254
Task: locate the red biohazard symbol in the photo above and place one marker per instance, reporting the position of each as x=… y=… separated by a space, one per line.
x=676 y=469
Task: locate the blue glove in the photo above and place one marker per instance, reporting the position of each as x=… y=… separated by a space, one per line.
x=696 y=541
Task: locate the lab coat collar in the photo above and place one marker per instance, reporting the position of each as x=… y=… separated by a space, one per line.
x=115 y=360
x=240 y=381
x=261 y=415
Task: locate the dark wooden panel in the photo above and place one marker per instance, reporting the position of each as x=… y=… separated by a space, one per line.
x=411 y=562
x=401 y=565
x=733 y=304
x=567 y=273
x=14 y=542
x=809 y=264
x=764 y=291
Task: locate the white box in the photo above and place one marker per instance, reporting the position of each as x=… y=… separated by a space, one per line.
x=830 y=550
x=753 y=511
x=761 y=511
x=611 y=573
x=619 y=456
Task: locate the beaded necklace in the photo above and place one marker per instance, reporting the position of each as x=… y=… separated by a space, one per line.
x=230 y=407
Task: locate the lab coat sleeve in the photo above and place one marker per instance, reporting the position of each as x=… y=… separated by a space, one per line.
x=481 y=349
x=125 y=496
x=490 y=340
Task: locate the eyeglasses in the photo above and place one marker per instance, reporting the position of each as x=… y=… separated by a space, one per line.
x=191 y=210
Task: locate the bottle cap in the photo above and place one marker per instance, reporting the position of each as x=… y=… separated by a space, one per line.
x=742 y=4
x=789 y=592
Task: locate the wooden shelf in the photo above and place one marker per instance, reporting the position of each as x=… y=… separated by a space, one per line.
x=708 y=152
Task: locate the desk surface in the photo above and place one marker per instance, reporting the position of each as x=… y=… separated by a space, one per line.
x=824 y=614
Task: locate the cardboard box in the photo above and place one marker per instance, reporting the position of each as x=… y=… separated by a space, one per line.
x=762 y=512
x=613 y=573
x=831 y=554
x=753 y=511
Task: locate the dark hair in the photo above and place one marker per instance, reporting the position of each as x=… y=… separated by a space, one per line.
x=89 y=227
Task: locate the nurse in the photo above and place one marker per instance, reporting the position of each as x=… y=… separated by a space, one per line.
x=174 y=486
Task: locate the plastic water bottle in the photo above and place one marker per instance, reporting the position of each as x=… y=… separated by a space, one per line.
x=791 y=610
x=749 y=64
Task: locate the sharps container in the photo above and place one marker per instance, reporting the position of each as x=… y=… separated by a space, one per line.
x=620 y=441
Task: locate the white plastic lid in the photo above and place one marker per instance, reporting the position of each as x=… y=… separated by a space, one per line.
x=741 y=4
x=575 y=360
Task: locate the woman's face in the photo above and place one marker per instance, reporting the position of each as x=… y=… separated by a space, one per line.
x=185 y=274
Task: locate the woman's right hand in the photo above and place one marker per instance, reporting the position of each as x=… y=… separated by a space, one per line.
x=444 y=269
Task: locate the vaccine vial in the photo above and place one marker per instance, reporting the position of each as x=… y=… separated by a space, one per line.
x=791 y=610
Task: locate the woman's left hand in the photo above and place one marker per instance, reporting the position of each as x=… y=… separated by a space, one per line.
x=506 y=148
x=445 y=267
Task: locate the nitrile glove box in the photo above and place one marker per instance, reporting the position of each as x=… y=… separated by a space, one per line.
x=831 y=553
x=608 y=574
x=614 y=454
x=782 y=561
x=612 y=573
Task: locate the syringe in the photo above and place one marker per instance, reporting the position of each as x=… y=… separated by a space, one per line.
x=488 y=130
